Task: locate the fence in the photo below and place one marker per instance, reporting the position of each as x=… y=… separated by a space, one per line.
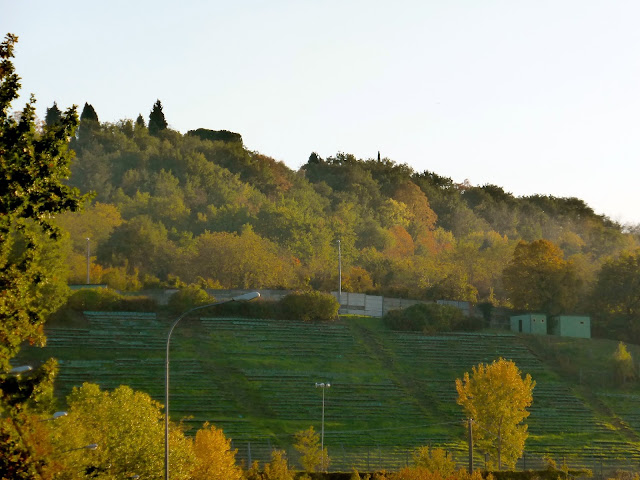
x=369 y=458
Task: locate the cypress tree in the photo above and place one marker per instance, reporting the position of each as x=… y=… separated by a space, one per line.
x=157 y=121
x=88 y=121
x=89 y=113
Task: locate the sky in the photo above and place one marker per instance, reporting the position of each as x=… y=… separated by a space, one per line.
x=538 y=96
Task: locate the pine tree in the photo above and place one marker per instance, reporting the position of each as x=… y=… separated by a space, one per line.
x=53 y=115
x=140 y=121
x=157 y=121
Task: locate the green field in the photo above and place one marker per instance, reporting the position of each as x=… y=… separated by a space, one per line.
x=390 y=391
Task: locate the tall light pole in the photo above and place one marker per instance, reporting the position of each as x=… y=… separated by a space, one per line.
x=240 y=298
x=339 y=272
x=88 y=260
x=323 y=386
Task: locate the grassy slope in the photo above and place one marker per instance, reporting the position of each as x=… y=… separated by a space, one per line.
x=390 y=391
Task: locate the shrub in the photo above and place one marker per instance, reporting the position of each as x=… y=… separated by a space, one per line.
x=105 y=299
x=309 y=306
x=435 y=460
x=189 y=297
x=429 y=318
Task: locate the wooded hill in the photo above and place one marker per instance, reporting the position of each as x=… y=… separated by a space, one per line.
x=173 y=209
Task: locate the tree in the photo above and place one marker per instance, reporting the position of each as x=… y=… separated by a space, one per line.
x=277 y=469
x=616 y=294
x=140 y=121
x=157 y=122
x=435 y=460
x=89 y=122
x=33 y=166
x=53 y=115
x=128 y=427
x=539 y=279
x=307 y=442
x=623 y=366
x=496 y=397
x=89 y=114
x=214 y=458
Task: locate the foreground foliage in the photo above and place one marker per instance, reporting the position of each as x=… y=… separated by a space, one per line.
x=495 y=397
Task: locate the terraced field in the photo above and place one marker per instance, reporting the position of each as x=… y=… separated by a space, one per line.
x=390 y=391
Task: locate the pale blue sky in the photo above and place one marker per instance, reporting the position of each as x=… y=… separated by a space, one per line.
x=535 y=96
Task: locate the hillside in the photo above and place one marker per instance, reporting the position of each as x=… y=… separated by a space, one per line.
x=172 y=209
x=389 y=391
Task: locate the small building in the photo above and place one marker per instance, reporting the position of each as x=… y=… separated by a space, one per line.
x=571 y=326
x=535 y=323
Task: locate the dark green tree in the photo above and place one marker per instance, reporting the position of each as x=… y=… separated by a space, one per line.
x=88 y=121
x=33 y=168
x=89 y=114
x=615 y=297
x=140 y=121
x=53 y=115
x=157 y=122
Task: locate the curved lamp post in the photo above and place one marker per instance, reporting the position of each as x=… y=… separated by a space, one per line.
x=91 y=446
x=240 y=298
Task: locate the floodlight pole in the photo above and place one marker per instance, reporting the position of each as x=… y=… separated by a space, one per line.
x=470 y=445
x=339 y=272
x=88 y=261
x=323 y=386
x=240 y=298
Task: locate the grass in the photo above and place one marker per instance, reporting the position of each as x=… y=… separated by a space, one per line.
x=391 y=391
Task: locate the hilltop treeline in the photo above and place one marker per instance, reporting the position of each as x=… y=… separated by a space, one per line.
x=173 y=209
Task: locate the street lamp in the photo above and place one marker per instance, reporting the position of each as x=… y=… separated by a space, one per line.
x=55 y=416
x=19 y=370
x=240 y=298
x=91 y=446
x=323 y=386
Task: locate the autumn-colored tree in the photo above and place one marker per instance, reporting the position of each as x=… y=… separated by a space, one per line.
x=402 y=244
x=127 y=426
x=241 y=261
x=538 y=278
x=215 y=460
x=496 y=397
x=307 y=442
x=435 y=460
x=277 y=468
x=623 y=366
x=357 y=279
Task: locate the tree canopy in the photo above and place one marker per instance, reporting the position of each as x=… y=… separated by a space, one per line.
x=35 y=165
x=201 y=205
x=496 y=398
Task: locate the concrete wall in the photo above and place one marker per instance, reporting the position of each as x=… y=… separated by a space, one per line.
x=535 y=323
x=350 y=303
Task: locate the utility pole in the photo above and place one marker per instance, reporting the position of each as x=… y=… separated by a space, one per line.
x=470 y=445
